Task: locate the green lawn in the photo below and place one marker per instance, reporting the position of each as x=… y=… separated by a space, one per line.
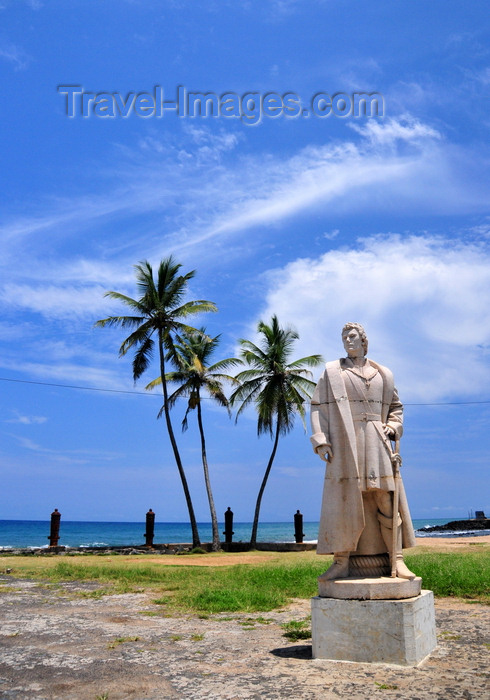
x=267 y=583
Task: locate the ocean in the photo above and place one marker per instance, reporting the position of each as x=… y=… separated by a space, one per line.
x=34 y=533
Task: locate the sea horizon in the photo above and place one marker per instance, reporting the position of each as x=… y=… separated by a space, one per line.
x=25 y=534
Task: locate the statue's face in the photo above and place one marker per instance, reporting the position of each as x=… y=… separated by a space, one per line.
x=352 y=343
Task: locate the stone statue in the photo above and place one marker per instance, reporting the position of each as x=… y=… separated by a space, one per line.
x=355 y=413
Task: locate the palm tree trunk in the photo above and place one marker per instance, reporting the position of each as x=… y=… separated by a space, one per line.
x=253 y=538
x=214 y=520
x=196 y=542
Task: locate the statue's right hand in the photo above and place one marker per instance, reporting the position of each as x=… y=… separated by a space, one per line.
x=324 y=452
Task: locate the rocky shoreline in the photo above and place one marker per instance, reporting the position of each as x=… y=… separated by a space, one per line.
x=182 y=548
x=460 y=525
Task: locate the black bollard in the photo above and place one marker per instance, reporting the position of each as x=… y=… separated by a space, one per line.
x=150 y=528
x=228 y=533
x=298 y=527
x=54 y=534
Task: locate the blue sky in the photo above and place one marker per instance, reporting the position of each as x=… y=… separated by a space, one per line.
x=382 y=220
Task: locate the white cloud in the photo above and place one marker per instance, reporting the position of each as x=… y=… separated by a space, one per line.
x=397 y=164
x=70 y=362
x=68 y=457
x=14 y=55
x=56 y=301
x=15 y=330
x=213 y=192
x=423 y=301
x=77 y=374
x=483 y=76
x=330 y=235
x=208 y=194
x=390 y=132
x=27 y=420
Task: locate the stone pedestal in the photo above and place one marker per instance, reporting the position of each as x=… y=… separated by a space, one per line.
x=374 y=631
x=380 y=588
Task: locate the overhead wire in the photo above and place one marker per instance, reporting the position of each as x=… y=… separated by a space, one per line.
x=147 y=393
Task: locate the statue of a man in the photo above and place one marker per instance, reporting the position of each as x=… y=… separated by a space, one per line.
x=355 y=413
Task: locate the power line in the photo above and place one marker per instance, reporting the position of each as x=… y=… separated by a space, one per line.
x=448 y=403
x=74 y=386
x=146 y=393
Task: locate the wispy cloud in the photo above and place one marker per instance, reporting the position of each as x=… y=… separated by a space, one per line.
x=213 y=190
x=394 y=131
x=67 y=457
x=48 y=301
x=81 y=356
x=26 y=420
x=33 y=4
x=14 y=55
x=103 y=375
x=205 y=189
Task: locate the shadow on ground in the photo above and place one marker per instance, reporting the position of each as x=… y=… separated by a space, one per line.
x=302 y=651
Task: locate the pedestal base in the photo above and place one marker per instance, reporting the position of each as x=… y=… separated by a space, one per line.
x=374 y=631
x=381 y=588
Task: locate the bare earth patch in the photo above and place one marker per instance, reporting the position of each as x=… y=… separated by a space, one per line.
x=452 y=543
x=56 y=645
x=440 y=544
x=208 y=559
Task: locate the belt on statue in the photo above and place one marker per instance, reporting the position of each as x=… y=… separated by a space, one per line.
x=365 y=417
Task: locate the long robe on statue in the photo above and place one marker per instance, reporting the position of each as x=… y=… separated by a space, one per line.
x=348 y=411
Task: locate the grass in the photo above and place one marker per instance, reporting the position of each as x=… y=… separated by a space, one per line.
x=268 y=583
x=239 y=588
x=121 y=640
x=296 y=630
x=463 y=575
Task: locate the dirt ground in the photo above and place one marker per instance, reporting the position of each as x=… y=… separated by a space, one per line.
x=453 y=544
x=55 y=644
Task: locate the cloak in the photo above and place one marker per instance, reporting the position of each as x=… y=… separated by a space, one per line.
x=342 y=518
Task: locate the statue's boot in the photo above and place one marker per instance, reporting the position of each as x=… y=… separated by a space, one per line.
x=402 y=571
x=339 y=568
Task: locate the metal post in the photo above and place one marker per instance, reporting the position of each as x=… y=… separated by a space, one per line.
x=228 y=532
x=298 y=527
x=54 y=534
x=150 y=528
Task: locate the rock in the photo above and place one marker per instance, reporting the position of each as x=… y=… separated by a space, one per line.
x=468 y=525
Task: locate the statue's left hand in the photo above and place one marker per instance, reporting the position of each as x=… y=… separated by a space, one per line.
x=389 y=432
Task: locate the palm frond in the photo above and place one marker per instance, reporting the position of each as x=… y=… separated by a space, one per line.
x=277 y=387
x=225 y=364
x=310 y=361
x=129 y=301
x=122 y=321
x=307 y=386
x=138 y=337
x=246 y=390
x=153 y=384
x=248 y=374
x=144 y=281
x=142 y=357
x=199 y=306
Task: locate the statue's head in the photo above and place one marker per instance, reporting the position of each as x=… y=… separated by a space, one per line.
x=362 y=334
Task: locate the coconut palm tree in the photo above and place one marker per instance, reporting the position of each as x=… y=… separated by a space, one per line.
x=277 y=387
x=159 y=315
x=191 y=355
